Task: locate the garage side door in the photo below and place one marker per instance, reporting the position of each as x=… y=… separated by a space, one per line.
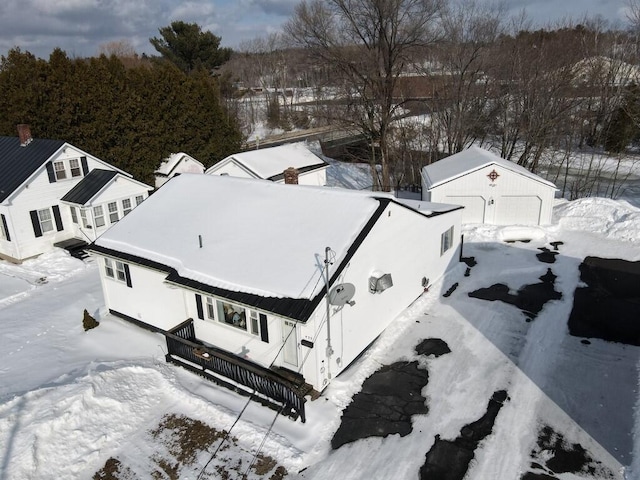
x=473 y=207
x=518 y=210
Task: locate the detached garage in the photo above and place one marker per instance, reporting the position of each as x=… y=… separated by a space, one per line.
x=492 y=190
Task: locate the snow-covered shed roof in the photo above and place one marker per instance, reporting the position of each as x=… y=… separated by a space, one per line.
x=469 y=160
x=270 y=163
x=169 y=164
x=265 y=244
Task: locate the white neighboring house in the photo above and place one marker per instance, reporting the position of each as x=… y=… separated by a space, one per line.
x=249 y=270
x=271 y=163
x=176 y=164
x=35 y=175
x=492 y=190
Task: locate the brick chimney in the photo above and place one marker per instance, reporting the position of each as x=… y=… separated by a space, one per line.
x=291 y=176
x=24 y=134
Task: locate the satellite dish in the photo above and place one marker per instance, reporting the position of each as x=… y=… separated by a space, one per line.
x=342 y=294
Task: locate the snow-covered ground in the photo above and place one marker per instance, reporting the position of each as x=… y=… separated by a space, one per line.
x=72 y=400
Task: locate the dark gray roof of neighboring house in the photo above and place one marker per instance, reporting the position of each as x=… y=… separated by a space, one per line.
x=18 y=163
x=89 y=186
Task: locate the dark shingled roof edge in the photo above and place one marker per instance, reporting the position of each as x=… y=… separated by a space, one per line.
x=295 y=308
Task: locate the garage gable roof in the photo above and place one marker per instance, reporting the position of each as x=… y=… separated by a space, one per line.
x=470 y=160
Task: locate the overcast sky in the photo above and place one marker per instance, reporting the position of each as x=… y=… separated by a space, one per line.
x=79 y=27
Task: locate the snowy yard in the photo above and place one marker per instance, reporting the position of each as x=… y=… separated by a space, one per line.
x=76 y=404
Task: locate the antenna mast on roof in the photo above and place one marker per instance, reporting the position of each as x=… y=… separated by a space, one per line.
x=329 y=348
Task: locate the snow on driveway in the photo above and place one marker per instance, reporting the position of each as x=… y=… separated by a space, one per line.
x=70 y=400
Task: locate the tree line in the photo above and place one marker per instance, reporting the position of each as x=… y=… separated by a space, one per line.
x=417 y=79
x=421 y=79
x=127 y=110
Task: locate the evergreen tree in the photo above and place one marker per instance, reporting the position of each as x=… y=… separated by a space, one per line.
x=189 y=48
x=130 y=117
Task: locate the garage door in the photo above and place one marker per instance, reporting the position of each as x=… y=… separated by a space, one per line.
x=517 y=210
x=473 y=207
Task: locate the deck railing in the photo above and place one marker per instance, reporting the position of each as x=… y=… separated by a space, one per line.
x=224 y=368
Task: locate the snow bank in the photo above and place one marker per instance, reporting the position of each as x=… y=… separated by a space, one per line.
x=615 y=220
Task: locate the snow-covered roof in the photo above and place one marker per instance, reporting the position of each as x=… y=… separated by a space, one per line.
x=258 y=237
x=172 y=161
x=271 y=162
x=469 y=160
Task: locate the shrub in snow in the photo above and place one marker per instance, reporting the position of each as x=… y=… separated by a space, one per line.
x=88 y=322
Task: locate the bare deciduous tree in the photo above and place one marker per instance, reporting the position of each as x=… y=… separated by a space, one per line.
x=368 y=43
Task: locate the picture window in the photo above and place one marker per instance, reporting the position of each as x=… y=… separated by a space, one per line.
x=233 y=315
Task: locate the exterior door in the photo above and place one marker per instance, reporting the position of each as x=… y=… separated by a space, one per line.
x=290 y=339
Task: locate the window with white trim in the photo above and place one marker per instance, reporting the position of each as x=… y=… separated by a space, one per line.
x=74 y=165
x=139 y=199
x=83 y=217
x=45 y=219
x=210 y=310
x=3 y=232
x=58 y=168
x=121 y=273
x=108 y=268
x=98 y=216
x=446 y=241
x=74 y=215
x=126 y=206
x=113 y=212
x=255 y=324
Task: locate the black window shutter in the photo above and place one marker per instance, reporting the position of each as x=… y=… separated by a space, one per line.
x=127 y=275
x=85 y=166
x=264 y=331
x=51 y=173
x=35 y=221
x=199 y=306
x=4 y=225
x=57 y=218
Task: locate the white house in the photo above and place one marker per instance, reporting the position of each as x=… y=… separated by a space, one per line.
x=250 y=269
x=271 y=163
x=176 y=164
x=492 y=190
x=52 y=193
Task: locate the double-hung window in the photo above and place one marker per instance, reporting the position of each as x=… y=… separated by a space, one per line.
x=46 y=221
x=446 y=241
x=74 y=215
x=83 y=217
x=253 y=316
x=108 y=268
x=74 y=165
x=117 y=270
x=126 y=206
x=113 y=212
x=121 y=273
x=98 y=216
x=139 y=199
x=58 y=168
x=211 y=308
